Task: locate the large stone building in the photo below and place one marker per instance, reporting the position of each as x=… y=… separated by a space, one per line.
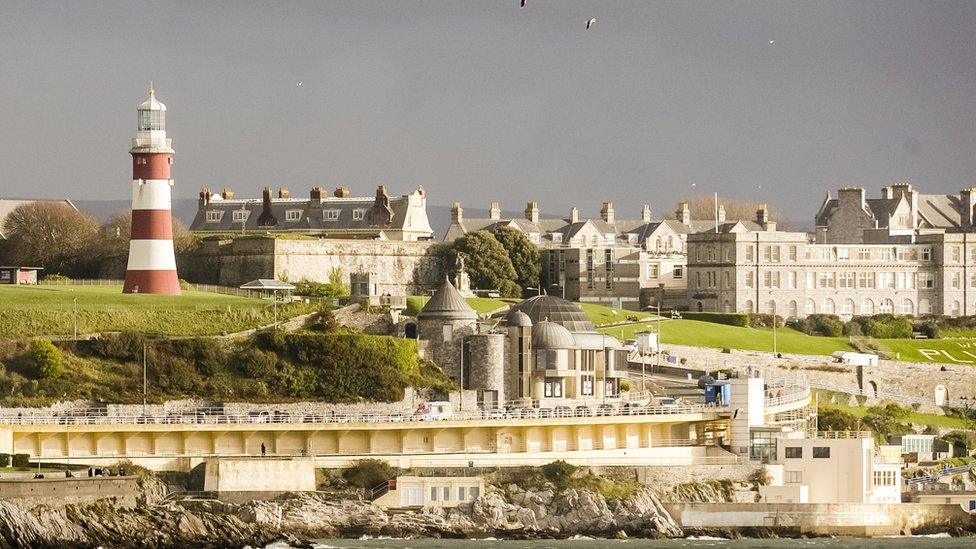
x=905 y=253
x=626 y=263
x=338 y=216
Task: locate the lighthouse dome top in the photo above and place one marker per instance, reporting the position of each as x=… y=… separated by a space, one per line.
x=152 y=104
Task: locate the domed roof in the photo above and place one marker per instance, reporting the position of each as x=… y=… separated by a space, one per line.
x=549 y=335
x=152 y=104
x=516 y=317
x=555 y=309
x=447 y=304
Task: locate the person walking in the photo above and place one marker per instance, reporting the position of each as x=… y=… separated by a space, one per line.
x=264 y=450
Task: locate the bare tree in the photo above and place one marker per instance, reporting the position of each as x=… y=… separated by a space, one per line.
x=110 y=248
x=52 y=235
x=703 y=207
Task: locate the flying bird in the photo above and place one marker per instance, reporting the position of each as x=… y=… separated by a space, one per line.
x=590 y=23
x=523 y=4
x=771 y=41
x=299 y=84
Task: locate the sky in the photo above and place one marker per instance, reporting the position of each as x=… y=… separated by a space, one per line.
x=479 y=101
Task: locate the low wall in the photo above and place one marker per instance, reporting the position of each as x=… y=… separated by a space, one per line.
x=865 y=519
x=62 y=491
x=259 y=474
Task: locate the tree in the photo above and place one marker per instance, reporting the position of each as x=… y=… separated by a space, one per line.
x=523 y=254
x=887 y=419
x=833 y=419
x=108 y=251
x=52 y=235
x=47 y=359
x=485 y=261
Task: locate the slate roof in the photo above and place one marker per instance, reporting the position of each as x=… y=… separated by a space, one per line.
x=938 y=211
x=447 y=304
x=311 y=218
x=555 y=309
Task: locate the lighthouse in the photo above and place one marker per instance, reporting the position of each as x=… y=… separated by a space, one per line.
x=152 y=262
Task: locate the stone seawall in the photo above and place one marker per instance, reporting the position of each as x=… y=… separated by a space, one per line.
x=858 y=519
x=56 y=492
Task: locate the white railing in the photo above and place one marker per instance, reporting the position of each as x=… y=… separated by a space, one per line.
x=791 y=394
x=217 y=416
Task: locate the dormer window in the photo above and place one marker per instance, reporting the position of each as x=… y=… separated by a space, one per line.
x=293 y=215
x=214 y=216
x=240 y=216
x=557 y=238
x=358 y=214
x=330 y=215
x=632 y=239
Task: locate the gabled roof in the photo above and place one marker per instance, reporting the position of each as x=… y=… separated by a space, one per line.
x=267 y=284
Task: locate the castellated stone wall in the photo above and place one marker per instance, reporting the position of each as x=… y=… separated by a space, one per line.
x=403 y=268
x=486 y=363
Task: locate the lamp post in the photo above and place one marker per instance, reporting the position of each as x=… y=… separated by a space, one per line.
x=145 y=378
x=74 y=315
x=461 y=380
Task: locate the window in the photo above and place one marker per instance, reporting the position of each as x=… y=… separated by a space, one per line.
x=865 y=280
x=448 y=333
x=461 y=493
x=214 y=216
x=679 y=272
x=867 y=306
x=793 y=477
x=776 y=253
x=825 y=280
x=924 y=306
x=907 y=307
x=240 y=216
x=791 y=280
x=926 y=254
x=926 y=280
x=748 y=306
x=791 y=311
x=749 y=253
x=446 y=492
x=830 y=307
x=848 y=307
x=750 y=279
x=843 y=253
x=955 y=254
x=821 y=452
x=433 y=493
x=956 y=281
x=767 y=253
x=811 y=307
x=586 y=385
x=474 y=492
x=293 y=215
x=811 y=280
x=330 y=215
x=557 y=238
x=652 y=271
x=845 y=280
x=554 y=388
x=792 y=255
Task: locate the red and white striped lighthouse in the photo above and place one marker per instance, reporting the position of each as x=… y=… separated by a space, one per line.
x=152 y=263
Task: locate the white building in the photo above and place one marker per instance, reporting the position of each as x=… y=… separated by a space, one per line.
x=833 y=467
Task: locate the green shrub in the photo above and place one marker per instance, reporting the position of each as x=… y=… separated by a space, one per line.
x=884 y=326
x=46 y=358
x=5 y=460
x=820 y=325
x=759 y=477
x=624 y=385
x=256 y=363
x=21 y=460
x=122 y=346
x=759 y=320
x=732 y=319
x=558 y=472
x=929 y=329
x=852 y=329
x=368 y=473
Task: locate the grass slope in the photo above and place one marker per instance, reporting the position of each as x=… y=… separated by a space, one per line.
x=932 y=420
x=27 y=311
x=601 y=314
x=943 y=351
x=698 y=333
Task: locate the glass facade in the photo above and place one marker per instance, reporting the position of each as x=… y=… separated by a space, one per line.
x=152 y=120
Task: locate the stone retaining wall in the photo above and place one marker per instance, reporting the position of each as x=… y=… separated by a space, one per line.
x=57 y=492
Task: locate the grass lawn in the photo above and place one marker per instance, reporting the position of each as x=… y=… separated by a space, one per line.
x=27 y=311
x=933 y=420
x=601 y=314
x=482 y=305
x=945 y=351
x=709 y=334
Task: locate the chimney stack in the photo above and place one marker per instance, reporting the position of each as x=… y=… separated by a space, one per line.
x=573 y=215
x=341 y=192
x=684 y=213
x=762 y=218
x=646 y=213
x=283 y=192
x=317 y=194
x=532 y=211
x=495 y=211
x=606 y=212
x=227 y=194
x=456 y=212
x=205 y=196
x=966 y=198
x=721 y=213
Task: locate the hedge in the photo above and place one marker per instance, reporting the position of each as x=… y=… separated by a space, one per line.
x=732 y=319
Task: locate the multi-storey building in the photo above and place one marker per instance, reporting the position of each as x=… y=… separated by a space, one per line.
x=380 y=217
x=895 y=256
x=627 y=263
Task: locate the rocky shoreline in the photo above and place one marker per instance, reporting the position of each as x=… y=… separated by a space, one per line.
x=512 y=513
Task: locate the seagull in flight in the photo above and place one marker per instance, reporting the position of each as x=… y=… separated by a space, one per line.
x=522 y=4
x=590 y=23
x=771 y=42
x=299 y=84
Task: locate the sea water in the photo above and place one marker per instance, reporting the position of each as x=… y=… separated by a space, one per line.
x=903 y=542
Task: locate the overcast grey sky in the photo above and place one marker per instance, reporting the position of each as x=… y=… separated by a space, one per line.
x=482 y=101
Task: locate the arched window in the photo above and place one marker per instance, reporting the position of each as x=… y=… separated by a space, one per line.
x=830 y=307
x=748 y=306
x=867 y=306
x=907 y=307
x=848 y=307
x=726 y=307
x=811 y=307
x=670 y=242
x=955 y=308
x=924 y=306
x=658 y=243
x=887 y=306
x=791 y=310
x=701 y=306
x=771 y=307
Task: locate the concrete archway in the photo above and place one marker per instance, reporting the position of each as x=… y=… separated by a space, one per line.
x=872 y=389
